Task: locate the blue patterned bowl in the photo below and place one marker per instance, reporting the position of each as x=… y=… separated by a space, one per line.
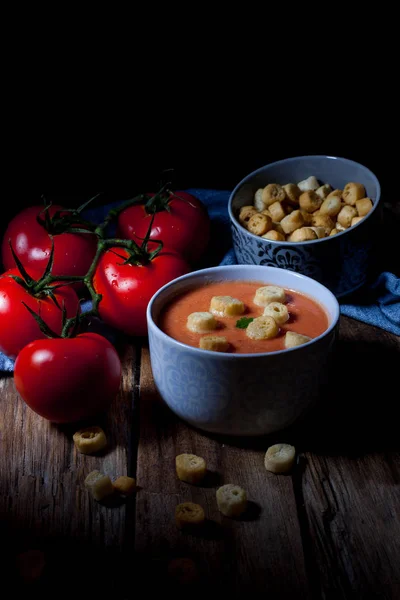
x=342 y=262
x=240 y=394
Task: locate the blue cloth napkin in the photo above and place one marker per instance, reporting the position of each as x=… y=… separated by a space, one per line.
x=381 y=301
x=380 y=306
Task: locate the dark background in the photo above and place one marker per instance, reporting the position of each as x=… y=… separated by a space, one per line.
x=208 y=159
x=220 y=168
x=211 y=123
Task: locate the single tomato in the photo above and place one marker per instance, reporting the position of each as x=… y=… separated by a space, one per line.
x=31 y=242
x=66 y=380
x=17 y=326
x=181 y=222
x=127 y=288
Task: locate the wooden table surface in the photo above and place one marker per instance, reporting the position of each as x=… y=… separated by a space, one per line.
x=330 y=529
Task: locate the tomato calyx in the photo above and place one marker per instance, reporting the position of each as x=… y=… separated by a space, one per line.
x=67 y=220
x=70 y=327
x=46 y=284
x=138 y=255
x=159 y=203
x=153 y=203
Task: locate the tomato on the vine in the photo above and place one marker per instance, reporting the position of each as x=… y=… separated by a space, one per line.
x=181 y=222
x=17 y=326
x=31 y=241
x=126 y=288
x=67 y=380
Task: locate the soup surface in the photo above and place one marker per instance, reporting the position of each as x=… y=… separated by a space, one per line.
x=306 y=316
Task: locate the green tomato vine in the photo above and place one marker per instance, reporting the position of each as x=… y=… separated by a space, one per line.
x=71 y=221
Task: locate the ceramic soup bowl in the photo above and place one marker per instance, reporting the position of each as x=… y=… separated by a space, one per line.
x=240 y=394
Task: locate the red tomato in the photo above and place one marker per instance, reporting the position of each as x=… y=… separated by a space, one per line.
x=184 y=228
x=66 y=380
x=73 y=252
x=17 y=326
x=127 y=289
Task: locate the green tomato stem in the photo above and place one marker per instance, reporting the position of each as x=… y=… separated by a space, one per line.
x=139 y=255
x=114 y=212
x=102 y=245
x=50 y=279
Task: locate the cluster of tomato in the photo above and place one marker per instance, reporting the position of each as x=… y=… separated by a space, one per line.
x=67 y=377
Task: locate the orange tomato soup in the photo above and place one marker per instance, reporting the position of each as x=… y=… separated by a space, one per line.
x=306 y=316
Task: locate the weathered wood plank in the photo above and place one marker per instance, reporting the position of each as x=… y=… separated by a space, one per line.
x=353 y=511
x=350 y=480
x=261 y=553
x=43 y=502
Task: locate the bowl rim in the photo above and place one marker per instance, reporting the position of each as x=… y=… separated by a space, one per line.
x=248 y=177
x=237 y=356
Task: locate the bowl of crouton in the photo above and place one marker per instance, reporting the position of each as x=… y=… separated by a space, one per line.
x=315 y=215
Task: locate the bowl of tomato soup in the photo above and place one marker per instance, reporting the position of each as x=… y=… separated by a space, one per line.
x=241 y=349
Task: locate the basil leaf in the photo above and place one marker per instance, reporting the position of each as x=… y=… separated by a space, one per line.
x=244 y=322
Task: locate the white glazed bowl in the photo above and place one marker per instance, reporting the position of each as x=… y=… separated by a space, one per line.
x=240 y=394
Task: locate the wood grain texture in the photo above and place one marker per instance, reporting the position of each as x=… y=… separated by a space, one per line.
x=43 y=502
x=349 y=476
x=260 y=552
x=329 y=530
x=353 y=510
